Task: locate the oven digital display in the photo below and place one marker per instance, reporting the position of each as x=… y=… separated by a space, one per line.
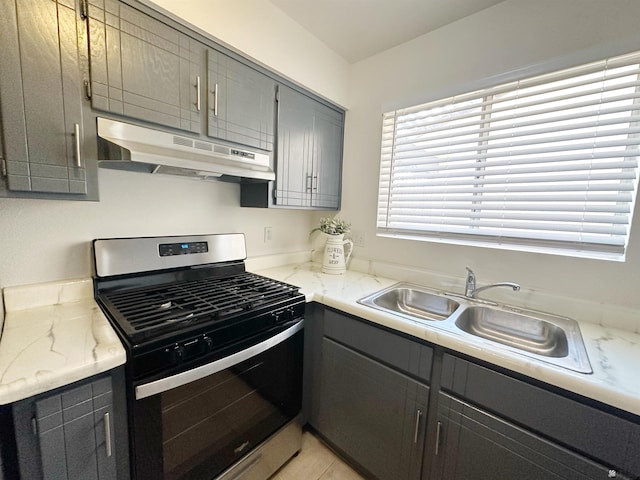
x=170 y=249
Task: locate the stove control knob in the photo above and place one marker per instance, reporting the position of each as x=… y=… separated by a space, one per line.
x=208 y=343
x=180 y=354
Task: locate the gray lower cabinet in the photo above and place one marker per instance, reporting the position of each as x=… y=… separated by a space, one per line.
x=142 y=68
x=309 y=152
x=476 y=445
x=368 y=400
x=402 y=409
x=41 y=100
x=73 y=433
x=490 y=425
x=240 y=102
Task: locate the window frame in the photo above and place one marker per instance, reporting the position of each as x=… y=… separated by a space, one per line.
x=492 y=241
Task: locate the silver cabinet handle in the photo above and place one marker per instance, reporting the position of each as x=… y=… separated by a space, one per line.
x=309 y=183
x=76 y=135
x=198 y=92
x=107 y=433
x=438 y=432
x=215 y=100
x=415 y=432
x=314 y=184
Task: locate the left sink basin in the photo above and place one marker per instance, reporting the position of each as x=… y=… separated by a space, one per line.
x=413 y=301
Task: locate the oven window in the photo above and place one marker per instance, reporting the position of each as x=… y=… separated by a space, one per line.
x=207 y=425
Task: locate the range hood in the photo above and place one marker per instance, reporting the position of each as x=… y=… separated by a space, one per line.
x=142 y=149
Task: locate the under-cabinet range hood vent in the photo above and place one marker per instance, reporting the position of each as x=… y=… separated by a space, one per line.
x=131 y=147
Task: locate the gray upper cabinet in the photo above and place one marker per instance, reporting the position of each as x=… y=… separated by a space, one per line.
x=240 y=102
x=41 y=99
x=142 y=68
x=309 y=152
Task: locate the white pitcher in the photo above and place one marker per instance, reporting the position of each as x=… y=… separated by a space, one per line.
x=334 y=261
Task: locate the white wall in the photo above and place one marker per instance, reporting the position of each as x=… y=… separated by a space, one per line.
x=507 y=37
x=512 y=35
x=44 y=240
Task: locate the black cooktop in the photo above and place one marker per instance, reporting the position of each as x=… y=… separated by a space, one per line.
x=146 y=312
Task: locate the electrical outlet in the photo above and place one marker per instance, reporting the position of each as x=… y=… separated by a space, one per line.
x=358 y=237
x=267 y=234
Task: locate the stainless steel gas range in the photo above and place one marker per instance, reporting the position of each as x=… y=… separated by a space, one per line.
x=214 y=367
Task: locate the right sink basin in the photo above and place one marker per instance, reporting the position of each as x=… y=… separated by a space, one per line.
x=523 y=332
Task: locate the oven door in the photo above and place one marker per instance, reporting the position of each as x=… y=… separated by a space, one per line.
x=196 y=424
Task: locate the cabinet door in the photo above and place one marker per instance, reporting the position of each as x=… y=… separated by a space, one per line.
x=294 y=155
x=142 y=68
x=309 y=153
x=327 y=158
x=241 y=102
x=475 y=445
x=69 y=432
x=40 y=87
x=374 y=414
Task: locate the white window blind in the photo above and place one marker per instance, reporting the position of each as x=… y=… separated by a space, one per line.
x=545 y=163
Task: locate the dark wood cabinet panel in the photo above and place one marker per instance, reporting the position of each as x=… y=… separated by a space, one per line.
x=142 y=68
x=41 y=93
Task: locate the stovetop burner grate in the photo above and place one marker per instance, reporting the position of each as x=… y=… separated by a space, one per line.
x=163 y=307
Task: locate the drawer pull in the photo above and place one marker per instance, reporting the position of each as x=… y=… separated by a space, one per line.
x=438 y=432
x=417 y=429
x=76 y=135
x=107 y=433
x=198 y=92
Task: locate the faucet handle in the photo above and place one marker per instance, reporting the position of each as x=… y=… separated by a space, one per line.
x=470 y=275
x=470 y=284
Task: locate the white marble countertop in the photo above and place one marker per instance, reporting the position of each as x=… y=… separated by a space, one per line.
x=54 y=334
x=614 y=354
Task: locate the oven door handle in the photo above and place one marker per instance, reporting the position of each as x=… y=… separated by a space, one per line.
x=164 y=384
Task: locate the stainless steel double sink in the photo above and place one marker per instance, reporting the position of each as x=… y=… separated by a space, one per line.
x=537 y=335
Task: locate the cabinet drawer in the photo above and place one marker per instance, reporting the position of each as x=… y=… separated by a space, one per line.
x=598 y=434
x=394 y=350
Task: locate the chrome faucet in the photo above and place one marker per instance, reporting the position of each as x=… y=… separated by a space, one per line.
x=471 y=291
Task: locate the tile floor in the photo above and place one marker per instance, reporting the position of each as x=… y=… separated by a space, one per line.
x=315 y=462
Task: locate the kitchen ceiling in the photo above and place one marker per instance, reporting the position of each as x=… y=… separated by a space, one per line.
x=357 y=29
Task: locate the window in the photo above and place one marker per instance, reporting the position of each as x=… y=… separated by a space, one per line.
x=547 y=163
